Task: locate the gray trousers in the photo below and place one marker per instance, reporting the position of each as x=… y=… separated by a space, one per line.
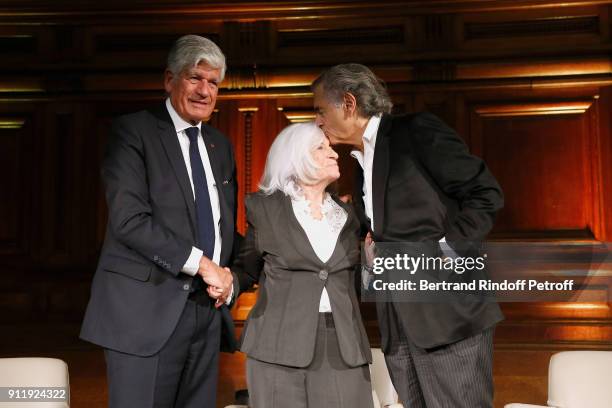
x=457 y=375
x=326 y=383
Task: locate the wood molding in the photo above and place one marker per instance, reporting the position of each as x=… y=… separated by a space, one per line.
x=247 y=114
x=248 y=10
x=11 y=123
x=528 y=109
x=533 y=73
x=365 y=35
x=544 y=26
x=298 y=115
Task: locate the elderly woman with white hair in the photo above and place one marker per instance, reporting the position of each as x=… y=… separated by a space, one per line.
x=304 y=338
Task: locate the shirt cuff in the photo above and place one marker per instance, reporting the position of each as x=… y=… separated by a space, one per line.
x=366 y=277
x=228 y=301
x=193 y=262
x=447 y=250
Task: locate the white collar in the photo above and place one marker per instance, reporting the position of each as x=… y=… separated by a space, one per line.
x=180 y=124
x=300 y=199
x=369 y=137
x=300 y=203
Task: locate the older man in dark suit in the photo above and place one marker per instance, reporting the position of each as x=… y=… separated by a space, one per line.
x=418 y=183
x=157 y=298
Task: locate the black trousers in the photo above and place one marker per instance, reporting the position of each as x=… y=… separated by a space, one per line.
x=183 y=373
x=326 y=383
x=457 y=375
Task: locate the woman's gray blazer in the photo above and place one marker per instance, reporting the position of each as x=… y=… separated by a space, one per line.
x=282 y=326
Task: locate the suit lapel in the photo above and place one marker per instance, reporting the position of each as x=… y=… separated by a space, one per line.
x=358 y=203
x=380 y=174
x=212 y=148
x=169 y=139
x=343 y=245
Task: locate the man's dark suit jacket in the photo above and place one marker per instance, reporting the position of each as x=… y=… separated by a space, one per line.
x=282 y=326
x=138 y=291
x=425 y=186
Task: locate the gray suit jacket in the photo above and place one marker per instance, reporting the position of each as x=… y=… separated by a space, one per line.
x=282 y=326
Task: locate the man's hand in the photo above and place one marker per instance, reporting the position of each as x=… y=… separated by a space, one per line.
x=219 y=294
x=366 y=270
x=215 y=276
x=370 y=250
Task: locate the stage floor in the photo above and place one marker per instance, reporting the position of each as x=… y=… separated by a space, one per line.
x=86 y=365
x=519 y=375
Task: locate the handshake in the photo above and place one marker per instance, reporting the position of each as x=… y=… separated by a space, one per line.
x=219 y=280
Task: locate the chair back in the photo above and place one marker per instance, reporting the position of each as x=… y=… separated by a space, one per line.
x=579 y=379
x=381 y=381
x=36 y=372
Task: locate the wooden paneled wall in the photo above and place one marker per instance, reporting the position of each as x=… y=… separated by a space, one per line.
x=526 y=83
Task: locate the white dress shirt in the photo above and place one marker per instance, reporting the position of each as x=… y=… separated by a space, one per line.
x=366 y=161
x=322 y=234
x=193 y=262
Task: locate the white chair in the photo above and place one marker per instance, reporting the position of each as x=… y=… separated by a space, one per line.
x=35 y=372
x=383 y=391
x=578 y=379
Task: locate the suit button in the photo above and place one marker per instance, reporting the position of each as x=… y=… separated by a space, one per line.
x=323 y=274
x=186 y=286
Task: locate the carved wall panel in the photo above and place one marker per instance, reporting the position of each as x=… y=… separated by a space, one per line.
x=537 y=151
x=17 y=149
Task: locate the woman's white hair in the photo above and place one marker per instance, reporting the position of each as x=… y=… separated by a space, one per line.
x=290 y=162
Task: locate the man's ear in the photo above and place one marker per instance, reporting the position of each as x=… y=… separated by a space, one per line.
x=168 y=78
x=350 y=103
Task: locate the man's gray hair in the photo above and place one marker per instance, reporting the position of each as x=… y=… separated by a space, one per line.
x=190 y=50
x=369 y=90
x=290 y=162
